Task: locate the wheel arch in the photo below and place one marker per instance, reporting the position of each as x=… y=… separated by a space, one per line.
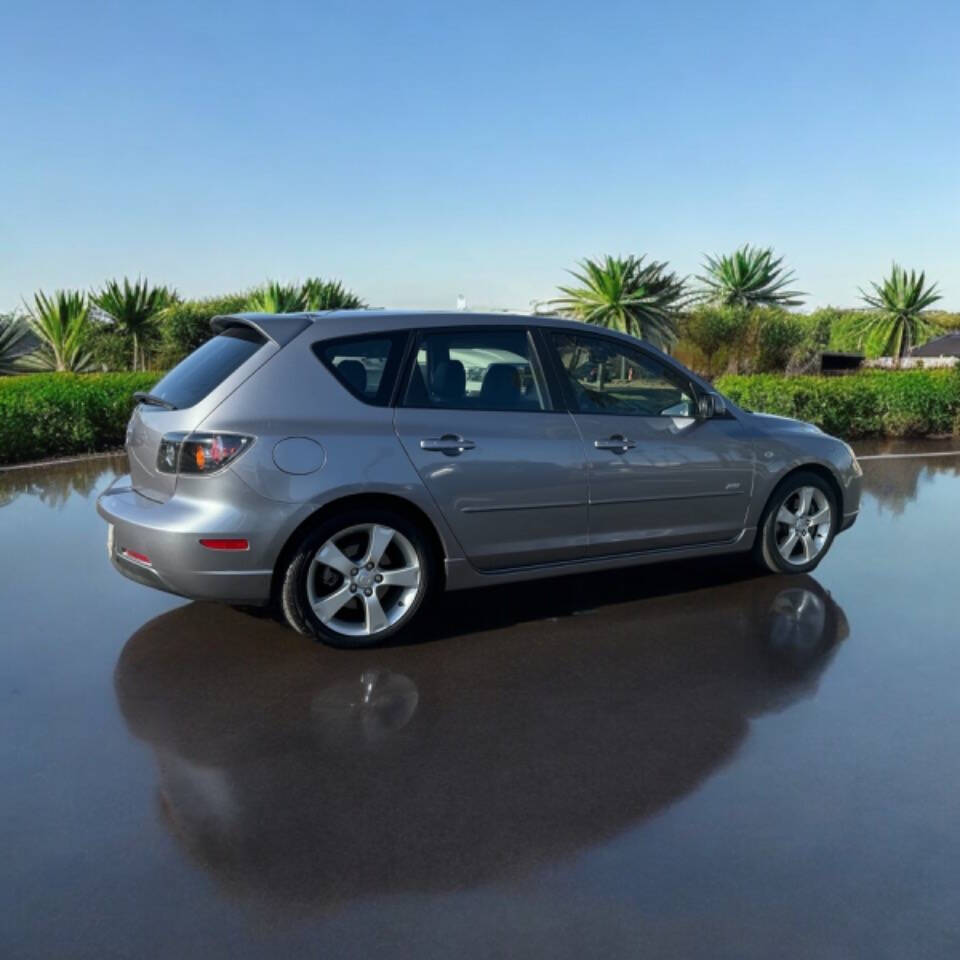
x=350 y=502
x=822 y=471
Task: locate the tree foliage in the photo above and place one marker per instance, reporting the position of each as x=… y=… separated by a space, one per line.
x=627 y=294
x=62 y=325
x=185 y=325
x=134 y=308
x=898 y=304
x=15 y=343
x=748 y=277
x=329 y=295
x=275 y=297
x=313 y=294
x=713 y=330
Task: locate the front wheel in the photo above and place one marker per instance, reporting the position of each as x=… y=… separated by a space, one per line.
x=358 y=578
x=798 y=525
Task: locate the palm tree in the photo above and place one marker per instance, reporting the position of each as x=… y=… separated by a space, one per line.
x=626 y=294
x=278 y=298
x=62 y=324
x=748 y=277
x=134 y=309
x=14 y=343
x=329 y=295
x=897 y=317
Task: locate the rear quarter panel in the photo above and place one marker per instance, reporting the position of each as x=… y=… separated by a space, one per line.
x=296 y=396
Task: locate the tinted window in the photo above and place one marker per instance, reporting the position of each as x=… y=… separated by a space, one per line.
x=208 y=366
x=607 y=377
x=476 y=370
x=366 y=366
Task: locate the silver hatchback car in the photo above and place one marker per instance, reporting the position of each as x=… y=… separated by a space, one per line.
x=347 y=465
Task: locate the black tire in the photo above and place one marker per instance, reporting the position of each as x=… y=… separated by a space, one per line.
x=765 y=549
x=294 y=584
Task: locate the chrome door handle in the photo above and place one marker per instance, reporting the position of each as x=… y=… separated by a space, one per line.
x=449 y=443
x=617 y=443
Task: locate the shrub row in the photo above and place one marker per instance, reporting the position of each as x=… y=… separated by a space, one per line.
x=59 y=414
x=714 y=340
x=874 y=403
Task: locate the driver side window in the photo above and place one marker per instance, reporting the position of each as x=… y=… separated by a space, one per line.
x=609 y=377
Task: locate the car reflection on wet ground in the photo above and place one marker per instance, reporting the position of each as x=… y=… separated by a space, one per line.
x=688 y=760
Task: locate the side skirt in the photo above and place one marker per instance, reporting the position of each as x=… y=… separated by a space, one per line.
x=461 y=575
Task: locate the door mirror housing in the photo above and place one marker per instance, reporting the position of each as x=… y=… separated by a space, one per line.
x=710 y=405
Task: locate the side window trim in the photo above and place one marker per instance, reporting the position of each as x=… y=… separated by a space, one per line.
x=566 y=385
x=540 y=369
x=560 y=392
x=408 y=353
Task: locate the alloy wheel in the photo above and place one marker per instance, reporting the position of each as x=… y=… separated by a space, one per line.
x=803 y=525
x=364 y=579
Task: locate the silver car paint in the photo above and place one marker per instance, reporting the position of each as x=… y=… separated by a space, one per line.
x=685 y=482
x=519 y=497
x=532 y=499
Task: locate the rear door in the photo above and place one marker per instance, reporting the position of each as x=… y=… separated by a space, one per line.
x=659 y=477
x=185 y=396
x=504 y=466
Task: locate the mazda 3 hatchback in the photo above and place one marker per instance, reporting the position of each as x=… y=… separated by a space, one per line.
x=348 y=465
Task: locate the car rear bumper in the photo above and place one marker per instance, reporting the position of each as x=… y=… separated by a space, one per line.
x=158 y=544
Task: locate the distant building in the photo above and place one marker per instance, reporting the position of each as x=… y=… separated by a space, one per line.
x=831 y=361
x=946 y=346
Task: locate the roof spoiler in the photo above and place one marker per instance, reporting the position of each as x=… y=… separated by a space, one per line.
x=281 y=328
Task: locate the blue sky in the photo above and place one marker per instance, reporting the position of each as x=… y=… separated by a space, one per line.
x=421 y=150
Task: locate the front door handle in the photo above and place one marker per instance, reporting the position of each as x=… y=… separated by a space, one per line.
x=617 y=443
x=449 y=444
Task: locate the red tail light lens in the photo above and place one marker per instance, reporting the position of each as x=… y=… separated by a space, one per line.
x=200 y=453
x=225 y=544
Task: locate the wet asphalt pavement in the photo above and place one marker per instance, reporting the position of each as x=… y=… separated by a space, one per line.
x=683 y=761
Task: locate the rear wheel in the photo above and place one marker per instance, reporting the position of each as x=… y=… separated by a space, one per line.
x=358 y=577
x=798 y=525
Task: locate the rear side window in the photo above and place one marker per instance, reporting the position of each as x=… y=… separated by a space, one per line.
x=366 y=366
x=208 y=366
x=476 y=369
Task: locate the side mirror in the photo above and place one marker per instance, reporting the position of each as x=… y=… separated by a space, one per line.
x=710 y=405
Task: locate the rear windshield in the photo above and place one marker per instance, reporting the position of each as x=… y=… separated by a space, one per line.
x=208 y=366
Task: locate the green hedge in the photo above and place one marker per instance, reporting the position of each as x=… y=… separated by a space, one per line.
x=58 y=414
x=873 y=403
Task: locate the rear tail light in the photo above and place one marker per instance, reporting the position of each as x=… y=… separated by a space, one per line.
x=138 y=557
x=233 y=544
x=200 y=453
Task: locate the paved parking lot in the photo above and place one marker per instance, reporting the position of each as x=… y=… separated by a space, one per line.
x=684 y=761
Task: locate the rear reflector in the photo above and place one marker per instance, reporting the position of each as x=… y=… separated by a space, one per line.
x=139 y=557
x=226 y=544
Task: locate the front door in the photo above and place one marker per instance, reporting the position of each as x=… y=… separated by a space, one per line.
x=505 y=468
x=659 y=477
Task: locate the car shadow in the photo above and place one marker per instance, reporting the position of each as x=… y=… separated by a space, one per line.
x=496 y=607
x=544 y=721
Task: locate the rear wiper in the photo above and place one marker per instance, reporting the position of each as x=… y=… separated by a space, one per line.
x=143 y=397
